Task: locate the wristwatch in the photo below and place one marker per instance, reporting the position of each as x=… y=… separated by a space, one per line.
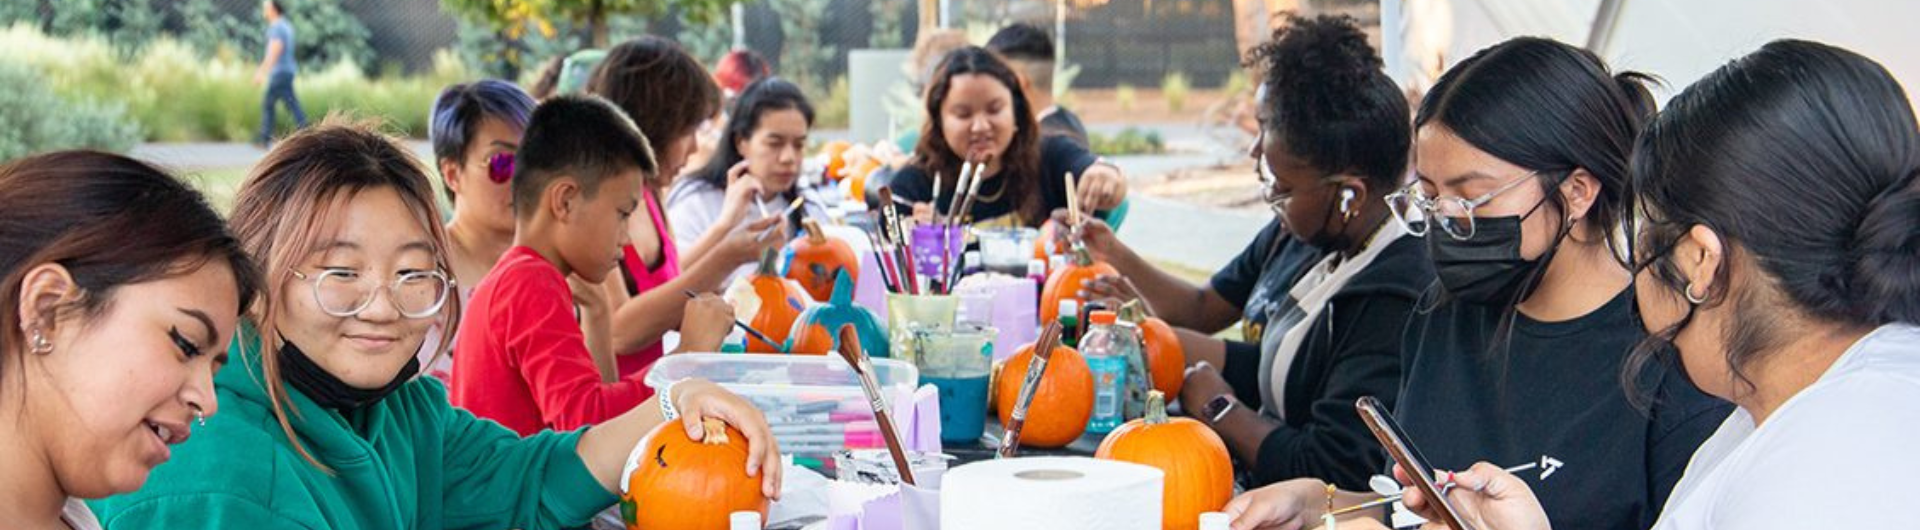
x=1218 y=407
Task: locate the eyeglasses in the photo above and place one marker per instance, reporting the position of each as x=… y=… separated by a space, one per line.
x=345 y=293
x=500 y=167
x=1415 y=211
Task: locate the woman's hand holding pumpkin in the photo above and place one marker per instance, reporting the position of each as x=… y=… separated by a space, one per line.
x=698 y=399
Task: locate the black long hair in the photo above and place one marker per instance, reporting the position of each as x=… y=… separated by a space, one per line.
x=1019 y=166
x=1803 y=157
x=766 y=95
x=1553 y=108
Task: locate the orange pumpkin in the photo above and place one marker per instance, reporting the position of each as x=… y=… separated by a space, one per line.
x=1062 y=403
x=1065 y=284
x=836 y=159
x=1166 y=358
x=1043 y=246
x=777 y=302
x=858 y=188
x=818 y=259
x=1199 y=474
x=679 y=483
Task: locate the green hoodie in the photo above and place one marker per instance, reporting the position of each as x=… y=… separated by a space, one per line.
x=411 y=460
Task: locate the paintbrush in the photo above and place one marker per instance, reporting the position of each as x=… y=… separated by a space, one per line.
x=742 y=325
x=1036 y=368
x=1073 y=204
x=959 y=190
x=857 y=358
x=973 y=189
x=797 y=201
x=903 y=247
x=937 y=181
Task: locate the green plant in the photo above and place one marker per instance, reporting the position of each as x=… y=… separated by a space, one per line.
x=1174 y=87
x=1129 y=141
x=181 y=94
x=1124 y=94
x=512 y=18
x=1237 y=82
x=38 y=120
x=834 y=110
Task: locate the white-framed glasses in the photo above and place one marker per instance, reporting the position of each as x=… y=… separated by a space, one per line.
x=345 y=293
x=1416 y=212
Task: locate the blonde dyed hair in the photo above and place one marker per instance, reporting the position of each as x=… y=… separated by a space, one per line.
x=294 y=194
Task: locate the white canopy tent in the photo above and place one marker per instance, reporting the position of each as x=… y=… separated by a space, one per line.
x=1678 y=40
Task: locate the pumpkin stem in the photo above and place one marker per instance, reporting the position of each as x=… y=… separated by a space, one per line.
x=1156 y=408
x=814 y=234
x=1132 y=311
x=716 y=430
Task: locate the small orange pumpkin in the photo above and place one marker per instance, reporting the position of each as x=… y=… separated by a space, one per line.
x=1062 y=403
x=1065 y=284
x=818 y=259
x=778 y=301
x=1199 y=474
x=1044 y=245
x=1166 y=358
x=683 y=484
x=836 y=159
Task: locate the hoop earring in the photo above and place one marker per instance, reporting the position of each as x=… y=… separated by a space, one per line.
x=1691 y=298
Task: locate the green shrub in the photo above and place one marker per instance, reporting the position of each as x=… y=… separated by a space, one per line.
x=1130 y=141
x=834 y=109
x=1174 y=88
x=38 y=120
x=180 y=94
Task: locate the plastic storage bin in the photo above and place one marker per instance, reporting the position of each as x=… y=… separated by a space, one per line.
x=814 y=403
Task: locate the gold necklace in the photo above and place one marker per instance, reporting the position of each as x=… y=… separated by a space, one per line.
x=996 y=194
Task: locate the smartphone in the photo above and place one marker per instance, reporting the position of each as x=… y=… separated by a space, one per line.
x=1403 y=453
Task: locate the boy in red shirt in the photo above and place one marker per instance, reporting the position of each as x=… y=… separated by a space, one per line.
x=524 y=361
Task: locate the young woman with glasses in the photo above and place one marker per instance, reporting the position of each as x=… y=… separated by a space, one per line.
x=324 y=424
x=1521 y=154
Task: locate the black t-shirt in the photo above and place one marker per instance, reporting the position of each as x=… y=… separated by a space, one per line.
x=1257 y=281
x=1058 y=156
x=1064 y=123
x=1353 y=349
x=1555 y=393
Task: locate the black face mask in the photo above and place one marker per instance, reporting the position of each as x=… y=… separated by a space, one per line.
x=330 y=391
x=1485 y=269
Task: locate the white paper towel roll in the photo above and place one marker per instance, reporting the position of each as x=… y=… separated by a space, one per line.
x=1054 y=493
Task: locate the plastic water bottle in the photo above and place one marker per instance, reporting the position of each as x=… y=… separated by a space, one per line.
x=1106 y=353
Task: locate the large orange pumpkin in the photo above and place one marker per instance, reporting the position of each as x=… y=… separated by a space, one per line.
x=836 y=159
x=1166 y=358
x=818 y=259
x=682 y=484
x=1065 y=284
x=1062 y=403
x=1199 y=474
x=776 y=302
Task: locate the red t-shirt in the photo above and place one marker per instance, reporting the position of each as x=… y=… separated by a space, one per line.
x=523 y=360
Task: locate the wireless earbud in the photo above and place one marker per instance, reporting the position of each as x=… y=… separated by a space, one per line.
x=1346 y=200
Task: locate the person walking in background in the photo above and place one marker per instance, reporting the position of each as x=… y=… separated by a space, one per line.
x=1029 y=50
x=276 y=70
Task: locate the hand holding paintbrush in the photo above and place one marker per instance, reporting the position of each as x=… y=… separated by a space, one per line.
x=857 y=358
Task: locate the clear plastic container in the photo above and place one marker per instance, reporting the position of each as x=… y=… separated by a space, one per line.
x=1106 y=349
x=813 y=402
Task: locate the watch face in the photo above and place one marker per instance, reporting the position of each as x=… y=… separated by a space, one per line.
x=1216 y=406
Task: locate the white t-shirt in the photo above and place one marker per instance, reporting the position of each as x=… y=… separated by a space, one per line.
x=1840 y=454
x=694 y=205
x=77 y=516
